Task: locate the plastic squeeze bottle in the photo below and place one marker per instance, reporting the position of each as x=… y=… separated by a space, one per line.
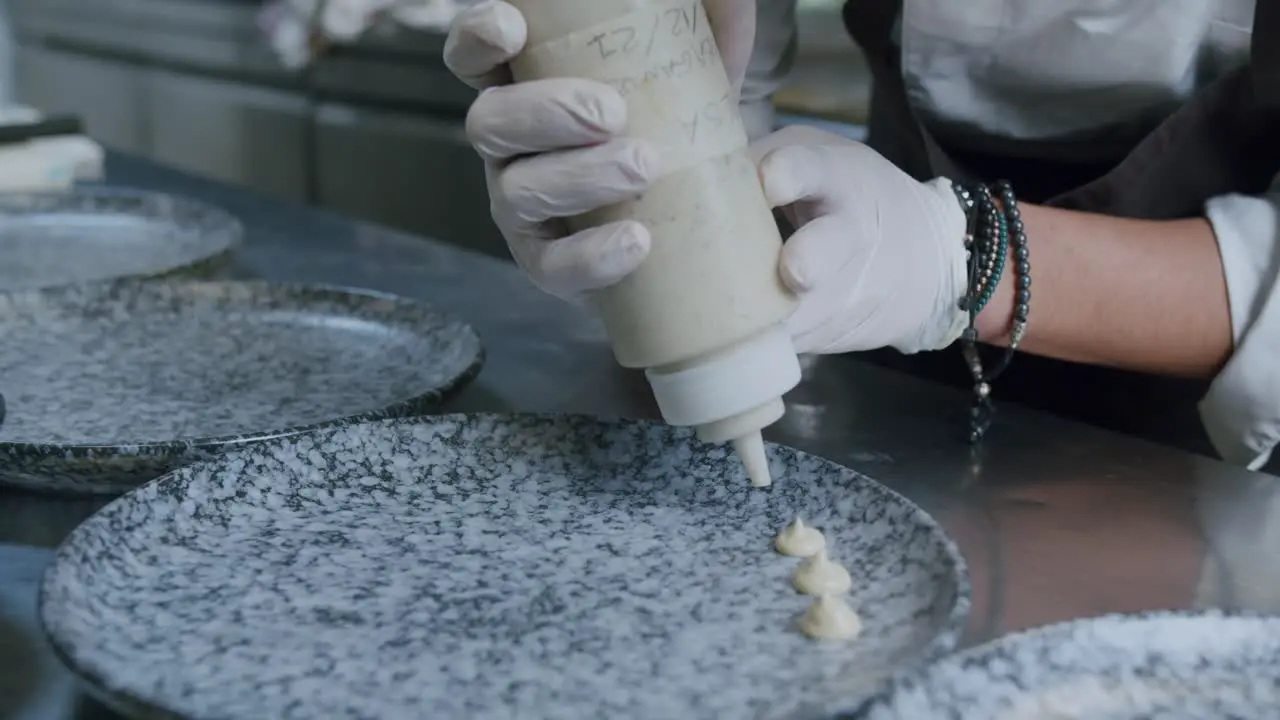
x=703 y=314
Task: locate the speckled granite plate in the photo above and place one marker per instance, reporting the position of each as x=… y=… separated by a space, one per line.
x=95 y=234
x=488 y=567
x=1163 y=666
x=111 y=385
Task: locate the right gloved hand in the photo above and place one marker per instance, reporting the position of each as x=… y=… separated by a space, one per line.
x=877 y=259
x=554 y=148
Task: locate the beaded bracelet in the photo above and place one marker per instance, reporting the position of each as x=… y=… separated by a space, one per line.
x=992 y=229
x=986 y=246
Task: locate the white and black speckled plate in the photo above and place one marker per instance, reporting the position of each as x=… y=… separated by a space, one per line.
x=96 y=234
x=107 y=386
x=488 y=567
x=1163 y=666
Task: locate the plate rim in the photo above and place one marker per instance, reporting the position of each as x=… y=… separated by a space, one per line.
x=940 y=646
x=919 y=677
x=232 y=231
x=179 y=447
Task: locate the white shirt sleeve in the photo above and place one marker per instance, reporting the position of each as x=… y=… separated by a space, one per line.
x=1241 y=411
x=772 y=57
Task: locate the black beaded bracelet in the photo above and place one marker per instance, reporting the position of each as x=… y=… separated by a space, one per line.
x=987 y=250
x=994 y=231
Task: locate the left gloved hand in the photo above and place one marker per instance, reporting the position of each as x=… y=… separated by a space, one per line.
x=557 y=147
x=878 y=258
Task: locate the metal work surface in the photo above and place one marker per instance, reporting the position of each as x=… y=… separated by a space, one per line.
x=1057 y=520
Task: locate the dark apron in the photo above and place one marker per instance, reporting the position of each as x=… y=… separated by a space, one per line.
x=1223 y=141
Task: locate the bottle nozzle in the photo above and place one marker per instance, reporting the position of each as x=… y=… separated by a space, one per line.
x=750 y=449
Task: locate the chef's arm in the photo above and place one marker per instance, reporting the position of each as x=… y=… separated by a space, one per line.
x=1195 y=298
x=1135 y=294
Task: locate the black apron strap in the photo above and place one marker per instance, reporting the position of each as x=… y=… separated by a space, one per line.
x=1264 y=51
x=1222 y=141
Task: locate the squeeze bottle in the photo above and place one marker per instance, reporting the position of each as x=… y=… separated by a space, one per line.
x=703 y=314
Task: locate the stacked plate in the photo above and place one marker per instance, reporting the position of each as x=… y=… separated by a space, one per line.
x=95 y=234
x=110 y=383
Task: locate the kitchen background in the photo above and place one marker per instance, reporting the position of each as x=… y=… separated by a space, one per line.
x=373 y=128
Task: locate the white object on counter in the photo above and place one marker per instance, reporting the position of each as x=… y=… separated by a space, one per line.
x=46 y=163
x=703 y=314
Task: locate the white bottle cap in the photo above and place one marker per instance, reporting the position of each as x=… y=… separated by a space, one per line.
x=752 y=374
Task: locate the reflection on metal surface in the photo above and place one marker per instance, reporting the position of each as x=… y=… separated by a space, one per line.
x=1056 y=519
x=802 y=419
x=1241 y=523
x=973 y=478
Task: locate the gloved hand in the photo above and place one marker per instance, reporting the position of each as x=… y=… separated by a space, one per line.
x=553 y=148
x=878 y=259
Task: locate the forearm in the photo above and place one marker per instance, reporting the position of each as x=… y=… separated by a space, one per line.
x=1135 y=294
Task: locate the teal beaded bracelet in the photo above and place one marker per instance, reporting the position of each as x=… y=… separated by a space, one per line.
x=994 y=232
x=996 y=267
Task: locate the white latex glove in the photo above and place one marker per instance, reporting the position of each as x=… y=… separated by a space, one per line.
x=878 y=259
x=554 y=148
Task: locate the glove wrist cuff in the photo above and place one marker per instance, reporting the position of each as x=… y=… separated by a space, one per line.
x=947 y=228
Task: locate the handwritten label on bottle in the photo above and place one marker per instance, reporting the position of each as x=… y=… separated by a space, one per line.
x=664 y=62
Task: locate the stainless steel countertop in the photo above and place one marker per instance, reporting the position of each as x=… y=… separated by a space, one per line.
x=1057 y=520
